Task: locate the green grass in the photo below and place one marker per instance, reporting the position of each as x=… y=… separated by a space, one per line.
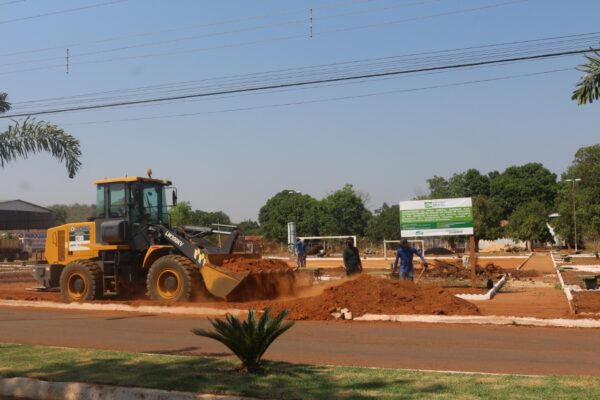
x=280 y=380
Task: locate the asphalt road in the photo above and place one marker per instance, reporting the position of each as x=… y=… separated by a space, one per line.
x=497 y=349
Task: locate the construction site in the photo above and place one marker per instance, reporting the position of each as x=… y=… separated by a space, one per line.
x=527 y=285
x=348 y=199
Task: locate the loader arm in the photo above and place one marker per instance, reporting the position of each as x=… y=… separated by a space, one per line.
x=186 y=248
x=217 y=282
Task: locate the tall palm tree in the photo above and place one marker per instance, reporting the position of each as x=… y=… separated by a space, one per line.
x=31 y=136
x=588 y=88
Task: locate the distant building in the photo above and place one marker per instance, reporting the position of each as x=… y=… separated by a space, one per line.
x=24 y=216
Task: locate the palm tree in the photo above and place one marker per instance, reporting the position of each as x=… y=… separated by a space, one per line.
x=4 y=105
x=31 y=136
x=588 y=89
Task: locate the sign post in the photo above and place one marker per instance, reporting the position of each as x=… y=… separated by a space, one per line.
x=443 y=217
x=473 y=261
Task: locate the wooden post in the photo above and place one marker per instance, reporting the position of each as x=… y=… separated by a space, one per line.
x=473 y=261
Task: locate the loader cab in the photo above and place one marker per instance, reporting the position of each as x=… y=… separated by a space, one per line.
x=126 y=206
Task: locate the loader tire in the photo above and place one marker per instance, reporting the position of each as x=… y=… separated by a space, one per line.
x=172 y=278
x=81 y=281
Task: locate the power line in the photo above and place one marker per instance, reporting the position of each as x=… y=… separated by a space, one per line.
x=283 y=38
x=325 y=100
x=294 y=84
x=6 y=3
x=177 y=29
x=214 y=34
x=68 y=10
x=346 y=68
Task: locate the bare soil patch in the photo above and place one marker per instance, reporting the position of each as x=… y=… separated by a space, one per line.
x=443 y=269
x=367 y=294
x=586 y=302
x=585 y=261
x=574 y=277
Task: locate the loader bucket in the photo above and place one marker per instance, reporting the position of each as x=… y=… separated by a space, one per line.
x=220 y=283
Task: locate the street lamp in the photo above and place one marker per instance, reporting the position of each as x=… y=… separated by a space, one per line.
x=574 y=213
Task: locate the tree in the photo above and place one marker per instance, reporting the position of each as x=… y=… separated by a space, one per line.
x=4 y=104
x=487 y=216
x=289 y=206
x=343 y=213
x=588 y=88
x=249 y=227
x=585 y=166
x=438 y=188
x=250 y=339
x=31 y=136
x=60 y=213
x=183 y=214
x=522 y=184
x=385 y=223
x=64 y=213
x=469 y=183
x=465 y=184
x=528 y=223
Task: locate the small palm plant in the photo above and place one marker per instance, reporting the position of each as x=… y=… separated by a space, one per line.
x=248 y=340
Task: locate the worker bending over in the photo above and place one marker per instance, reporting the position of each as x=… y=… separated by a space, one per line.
x=405 y=255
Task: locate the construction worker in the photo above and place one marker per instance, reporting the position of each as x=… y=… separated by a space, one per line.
x=405 y=254
x=300 y=253
x=352 y=261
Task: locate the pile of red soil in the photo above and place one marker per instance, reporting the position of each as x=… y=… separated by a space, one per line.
x=264 y=279
x=371 y=295
x=255 y=265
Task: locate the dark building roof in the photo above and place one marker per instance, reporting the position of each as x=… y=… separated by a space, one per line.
x=19 y=214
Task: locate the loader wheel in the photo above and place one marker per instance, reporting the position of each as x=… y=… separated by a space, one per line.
x=81 y=281
x=171 y=278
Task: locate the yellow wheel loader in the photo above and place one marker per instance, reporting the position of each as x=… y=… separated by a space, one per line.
x=130 y=243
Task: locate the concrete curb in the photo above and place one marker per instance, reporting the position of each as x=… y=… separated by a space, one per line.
x=178 y=310
x=488 y=296
x=564 y=287
x=36 y=389
x=484 y=320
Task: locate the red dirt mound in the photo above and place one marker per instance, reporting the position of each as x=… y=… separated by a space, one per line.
x=265 y=279
x=242 y=265
x=371 y=295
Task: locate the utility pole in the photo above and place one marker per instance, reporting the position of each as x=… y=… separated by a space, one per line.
x=574 y=208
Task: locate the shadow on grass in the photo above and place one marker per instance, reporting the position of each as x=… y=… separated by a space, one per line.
x=209 y=375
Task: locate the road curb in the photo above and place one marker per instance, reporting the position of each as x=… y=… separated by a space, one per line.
x=484 y=320
x=565 y=288
x=178 y=310
x=35 y=389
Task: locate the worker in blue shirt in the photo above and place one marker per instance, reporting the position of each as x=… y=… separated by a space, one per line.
x=300 y=253
x=405 y=255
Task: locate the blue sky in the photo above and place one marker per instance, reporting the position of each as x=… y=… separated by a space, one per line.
x=386 y=145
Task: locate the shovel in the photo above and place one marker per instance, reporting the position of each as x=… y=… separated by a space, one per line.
x=420 y=275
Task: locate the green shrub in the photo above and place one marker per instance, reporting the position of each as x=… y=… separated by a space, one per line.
x=248 y=340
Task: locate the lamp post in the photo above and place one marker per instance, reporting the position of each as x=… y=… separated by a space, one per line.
x=574 y=209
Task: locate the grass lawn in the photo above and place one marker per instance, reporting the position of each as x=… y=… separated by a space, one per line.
x=280 y=380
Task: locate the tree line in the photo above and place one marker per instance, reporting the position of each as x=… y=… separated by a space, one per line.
x=513 y=203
